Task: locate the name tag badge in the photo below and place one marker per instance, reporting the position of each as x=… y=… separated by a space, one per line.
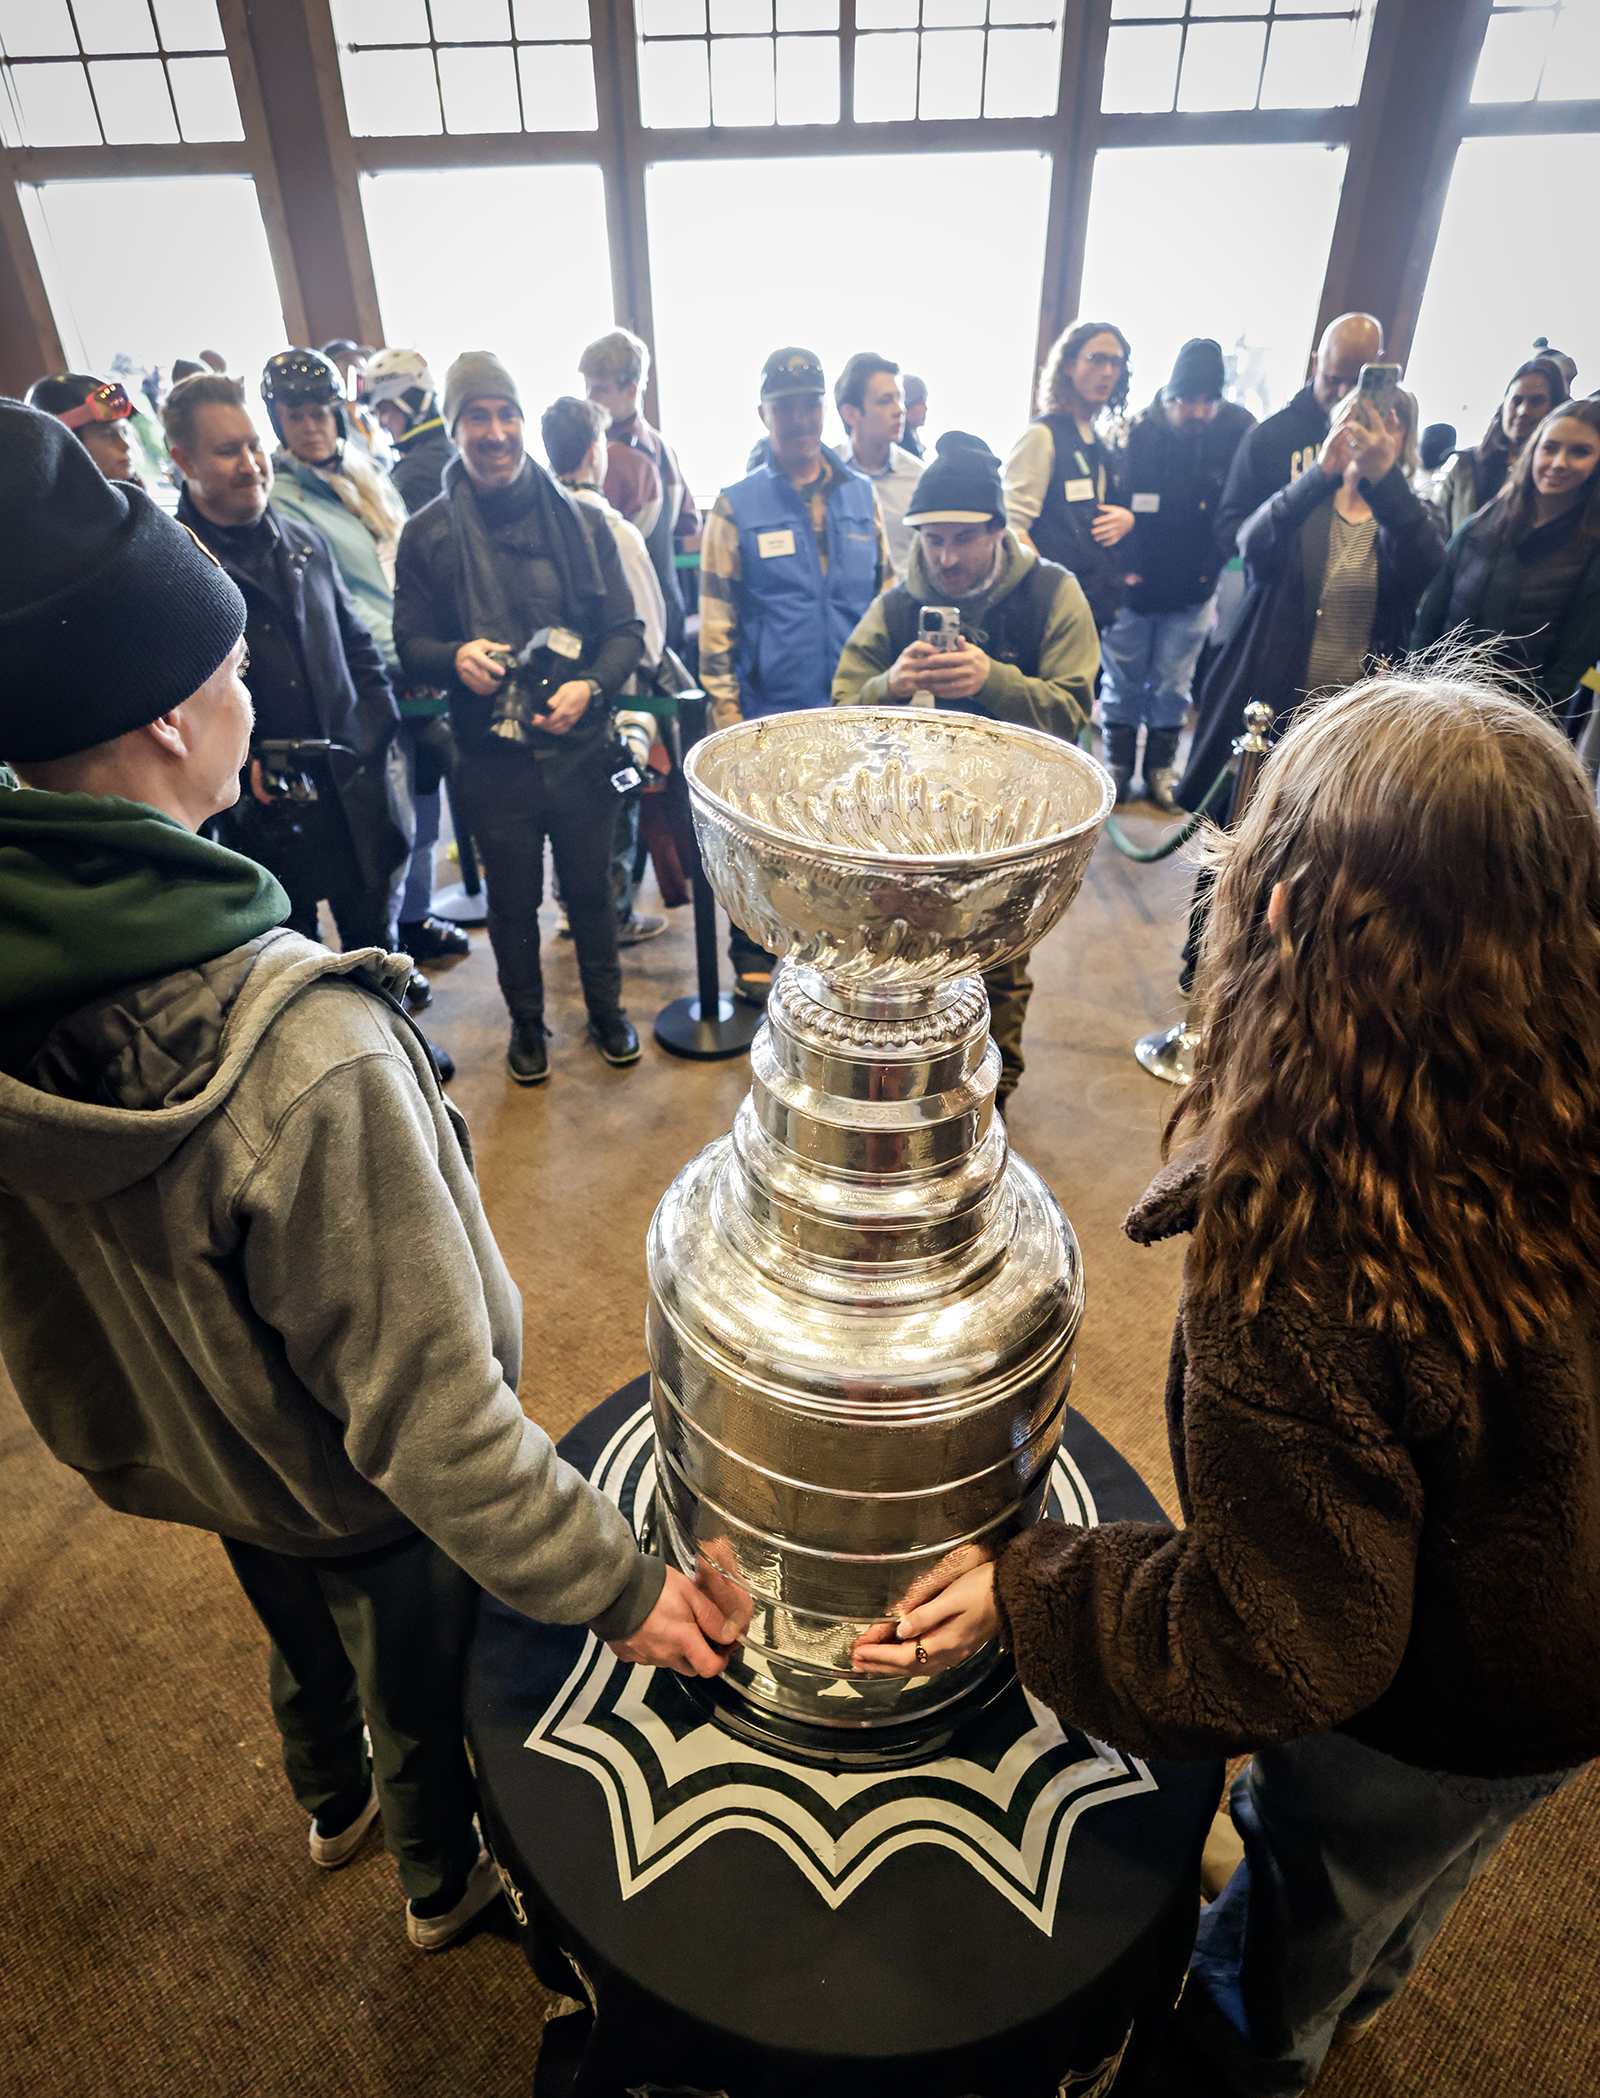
x=1078 y=491
x=1146 y=505
x=770 y=544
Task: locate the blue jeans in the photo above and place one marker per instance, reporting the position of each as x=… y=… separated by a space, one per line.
x=1149 y=660
x=1352 y=1862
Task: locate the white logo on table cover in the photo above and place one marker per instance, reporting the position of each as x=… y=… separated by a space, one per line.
x=672 y=1786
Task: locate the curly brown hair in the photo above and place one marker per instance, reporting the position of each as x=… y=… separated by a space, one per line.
x=1398 y=1087
x=1064 y=351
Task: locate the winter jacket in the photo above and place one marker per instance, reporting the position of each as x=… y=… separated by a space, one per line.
x=302 y=624
x=1173 y=477
x=300 y=491
x=1472 y=479
x=430 y=620
x=1478 y=587
x=1377 y=1537
x=1270 y=456
x=774 y=612
x=1055 y=481
x=422 y=456
x=1053 y=691
x=246 y=1282
x=1284 y=546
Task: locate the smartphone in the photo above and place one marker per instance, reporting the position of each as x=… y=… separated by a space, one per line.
x=1376 y=388
x=939 y=626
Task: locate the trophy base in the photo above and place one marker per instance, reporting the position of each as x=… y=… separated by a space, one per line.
x=1169 y=1055
x=919 y=1740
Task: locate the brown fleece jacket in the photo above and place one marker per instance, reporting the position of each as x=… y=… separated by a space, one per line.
x=1378 y=1537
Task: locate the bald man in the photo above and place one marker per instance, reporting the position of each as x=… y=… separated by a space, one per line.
x=1276 y=451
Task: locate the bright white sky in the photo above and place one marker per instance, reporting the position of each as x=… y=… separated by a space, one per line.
x=1508 y=266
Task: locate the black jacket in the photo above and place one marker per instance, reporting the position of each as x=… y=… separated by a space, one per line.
x=1480 y=586
x=1173 y=478
x=1265 y=657
x=301 y=600
x=430 y=621
x=1063 y=531
x=1272 y=455
x=424 y=454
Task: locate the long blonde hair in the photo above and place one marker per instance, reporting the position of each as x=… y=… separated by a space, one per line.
x=1399 y=1084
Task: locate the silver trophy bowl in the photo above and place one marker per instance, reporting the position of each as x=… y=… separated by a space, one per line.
x=863 y=1306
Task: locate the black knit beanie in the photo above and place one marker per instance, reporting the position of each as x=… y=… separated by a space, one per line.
x=1199 y=373
x=110 y=612
x=960 y=486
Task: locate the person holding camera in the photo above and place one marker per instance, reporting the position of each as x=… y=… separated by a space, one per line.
x=984 y=625
x=328 y=823
x=246 y=1281
x=510 y=597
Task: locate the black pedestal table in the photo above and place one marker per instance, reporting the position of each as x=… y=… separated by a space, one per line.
x=1010 y=1920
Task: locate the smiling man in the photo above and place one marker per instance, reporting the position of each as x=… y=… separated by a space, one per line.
x=510 y=597
x=1024 y=650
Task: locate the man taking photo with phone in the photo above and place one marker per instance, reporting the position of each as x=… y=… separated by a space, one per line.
x=1019 y=645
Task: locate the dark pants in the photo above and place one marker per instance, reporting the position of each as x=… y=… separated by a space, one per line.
x=1352 y=1862
x=308 y=846
x=1009 y=987
x=511 y=802
x=383 y=1635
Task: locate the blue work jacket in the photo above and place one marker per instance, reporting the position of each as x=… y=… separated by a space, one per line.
x=794 y=620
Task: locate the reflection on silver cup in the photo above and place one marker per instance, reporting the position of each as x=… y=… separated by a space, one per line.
x=862 y=1306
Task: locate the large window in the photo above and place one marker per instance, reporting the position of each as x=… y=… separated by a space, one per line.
x=455 y=269
x=1545 y=54
x=1234 y=54
x=1225 y=241
x=114 y=72
x=143 y=271
x=1507 y=267
x=960 y=308
x=417 y=66
x=778 y=61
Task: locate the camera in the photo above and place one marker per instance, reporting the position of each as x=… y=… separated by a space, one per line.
x=532 y=680
x=939 y=626
x=283 y=765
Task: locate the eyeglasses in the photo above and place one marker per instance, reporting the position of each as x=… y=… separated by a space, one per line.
x=107 y=404
x=1100 y=361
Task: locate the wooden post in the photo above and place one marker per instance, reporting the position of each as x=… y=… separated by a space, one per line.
x=286 y=70
x=1077 y=135
x=1403 y=144
x=30 y=347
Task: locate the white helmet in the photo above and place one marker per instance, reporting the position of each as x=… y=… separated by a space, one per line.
x=401 y=376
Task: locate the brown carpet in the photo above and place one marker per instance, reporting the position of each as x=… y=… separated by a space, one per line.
x=161 y=1928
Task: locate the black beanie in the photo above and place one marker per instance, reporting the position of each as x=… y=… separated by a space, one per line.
x=110 y=612
x=960 y=486
x=1199 y=373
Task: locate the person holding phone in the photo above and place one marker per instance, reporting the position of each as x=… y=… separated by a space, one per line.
x=1335 y=565
x=1063 y=480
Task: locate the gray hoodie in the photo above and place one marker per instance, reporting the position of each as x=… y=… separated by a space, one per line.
x=246 y=1283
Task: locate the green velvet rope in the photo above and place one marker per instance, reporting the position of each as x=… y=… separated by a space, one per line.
x=1179 y=835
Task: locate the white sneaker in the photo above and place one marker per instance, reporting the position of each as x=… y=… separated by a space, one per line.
x=434 y=1933
x=330 y=1852
x=641 y=925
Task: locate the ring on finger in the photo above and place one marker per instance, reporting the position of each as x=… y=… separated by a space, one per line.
x=922 y=1655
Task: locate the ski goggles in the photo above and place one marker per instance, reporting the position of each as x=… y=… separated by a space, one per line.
x=107 y=404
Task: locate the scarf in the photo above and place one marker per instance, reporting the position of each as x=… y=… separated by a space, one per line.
x=483 y=559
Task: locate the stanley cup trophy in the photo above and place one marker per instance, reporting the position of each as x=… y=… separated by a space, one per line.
x=863 y=1305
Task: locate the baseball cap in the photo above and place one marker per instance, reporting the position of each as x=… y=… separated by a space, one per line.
x=792 y=371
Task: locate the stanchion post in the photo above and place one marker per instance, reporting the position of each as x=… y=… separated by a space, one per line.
x=464 y=902
x=713 y=1024
x=1169 y=1053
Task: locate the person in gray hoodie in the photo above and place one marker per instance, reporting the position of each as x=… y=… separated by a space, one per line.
x=246 y=1282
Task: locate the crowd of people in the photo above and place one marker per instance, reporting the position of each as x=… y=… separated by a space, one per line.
x=1382 y=1422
